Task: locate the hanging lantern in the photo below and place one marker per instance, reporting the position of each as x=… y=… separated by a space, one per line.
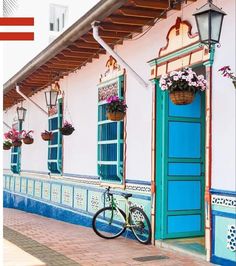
x=51 y=98
x=21 y=112
x=209 y=19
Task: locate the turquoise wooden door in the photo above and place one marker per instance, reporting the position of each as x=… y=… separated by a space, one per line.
x=180 y=142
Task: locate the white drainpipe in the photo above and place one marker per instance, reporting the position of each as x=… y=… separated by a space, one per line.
x=28 y=99
x=115 y=55
x=5 y=124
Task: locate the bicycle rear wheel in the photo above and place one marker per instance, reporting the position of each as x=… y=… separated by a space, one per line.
x=109 y=223
x=140 y=225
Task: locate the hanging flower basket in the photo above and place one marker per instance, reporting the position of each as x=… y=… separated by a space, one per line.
x=27 y=137
x=16 y=143
x=116 y=108
x=7 y=145
x=182 y=85
x=28 y=140
x=67 y=129
x=182 y=97
x=116 y=116
x=47 y=135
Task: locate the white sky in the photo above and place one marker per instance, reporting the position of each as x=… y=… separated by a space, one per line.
x=18 y=53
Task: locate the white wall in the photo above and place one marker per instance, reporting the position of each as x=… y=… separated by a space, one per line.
x=80 y=149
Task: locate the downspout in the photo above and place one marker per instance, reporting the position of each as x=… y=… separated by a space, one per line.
x=115 y=55
x=5 y=124
x=29 y=100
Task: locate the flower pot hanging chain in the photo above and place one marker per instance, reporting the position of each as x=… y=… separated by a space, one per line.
x=67 y=127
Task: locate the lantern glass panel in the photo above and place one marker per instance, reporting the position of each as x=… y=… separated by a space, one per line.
x=51 y=98
x=203 y=26
x=54 y=95
x=216 y=23
x=21 y=112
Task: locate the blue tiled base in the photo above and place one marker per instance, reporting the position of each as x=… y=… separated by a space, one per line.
x=19 y=202
x=220 y=261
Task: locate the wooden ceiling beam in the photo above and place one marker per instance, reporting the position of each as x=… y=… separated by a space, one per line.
x=112 y=34
x=140 y=12
x=68 y=54
x=90 y=39
x=62 y=58
x=153 y=4
x=134 y=21
x=121 y=28
x=83 y=49
x=83 y=44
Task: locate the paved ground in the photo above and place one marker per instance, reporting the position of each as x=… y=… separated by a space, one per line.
x=58 y=243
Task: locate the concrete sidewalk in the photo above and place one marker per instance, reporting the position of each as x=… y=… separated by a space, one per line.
x=14 y=256
x=57 y=243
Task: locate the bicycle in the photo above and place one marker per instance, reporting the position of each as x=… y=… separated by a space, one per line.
x=111 y=222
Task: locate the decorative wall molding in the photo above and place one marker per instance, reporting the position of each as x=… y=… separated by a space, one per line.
x=225 y=201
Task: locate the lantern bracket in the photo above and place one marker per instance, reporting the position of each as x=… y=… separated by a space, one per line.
x=29 y=100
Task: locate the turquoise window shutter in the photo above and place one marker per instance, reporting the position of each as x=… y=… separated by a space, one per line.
x=55 y=145
x=16 y=154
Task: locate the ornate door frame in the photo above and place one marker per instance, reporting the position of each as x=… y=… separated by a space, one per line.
x=184 y=49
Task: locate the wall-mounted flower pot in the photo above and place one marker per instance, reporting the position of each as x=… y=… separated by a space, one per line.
x=182 y=97
x=47 y=136
x=16 y=143
x=28 y=140
x=115 y=116
x=66 y=131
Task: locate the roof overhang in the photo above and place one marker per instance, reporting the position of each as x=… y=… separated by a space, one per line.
x=76 y=47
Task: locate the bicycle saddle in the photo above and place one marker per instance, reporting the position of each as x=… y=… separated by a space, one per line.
x=125 y=195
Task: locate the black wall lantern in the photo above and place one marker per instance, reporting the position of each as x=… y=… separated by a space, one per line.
x=21 y=112
x=51 y=98
x=209 y=19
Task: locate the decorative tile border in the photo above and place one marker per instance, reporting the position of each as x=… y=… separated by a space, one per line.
x=225 y=201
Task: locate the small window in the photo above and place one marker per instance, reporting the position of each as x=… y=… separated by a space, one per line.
x=57 y=17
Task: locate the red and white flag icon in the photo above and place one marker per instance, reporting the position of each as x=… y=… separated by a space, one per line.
x=6 y=33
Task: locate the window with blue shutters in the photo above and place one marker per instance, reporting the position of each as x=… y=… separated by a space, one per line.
x=110 y=133
x=55 y=145
x=16 y=152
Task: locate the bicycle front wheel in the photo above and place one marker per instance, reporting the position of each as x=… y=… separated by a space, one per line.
x=109 y=223
x=140 y=225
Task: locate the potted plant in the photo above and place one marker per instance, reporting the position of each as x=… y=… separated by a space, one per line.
x=226 y=72
x=7 y=145
x=47 y=135
x=116 y=108
x=27 y=137
x=67 y=129
x=182 y=85
x=15 y=136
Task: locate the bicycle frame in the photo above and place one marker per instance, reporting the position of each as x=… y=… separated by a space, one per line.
x=115 y=207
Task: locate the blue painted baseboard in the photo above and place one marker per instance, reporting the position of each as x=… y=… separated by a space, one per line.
x=15 y=201
x=221 y=261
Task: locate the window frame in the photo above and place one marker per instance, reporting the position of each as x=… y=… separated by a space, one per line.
x=119 y=80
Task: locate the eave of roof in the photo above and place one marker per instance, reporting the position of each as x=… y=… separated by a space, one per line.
x=76 y=47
